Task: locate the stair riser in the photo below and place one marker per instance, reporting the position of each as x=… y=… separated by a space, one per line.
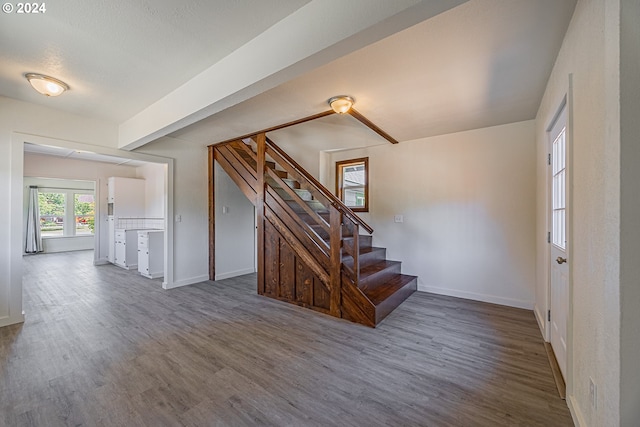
x=320 y=232
x=291 y=183
x=367 y=258
x=363 y=242
x=303 y=194
x=391 y=303
x=372 y=257
x=308 y=219
x=380 y=277
x=314 y=205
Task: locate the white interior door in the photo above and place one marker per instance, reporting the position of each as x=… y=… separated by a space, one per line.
x=559 y=295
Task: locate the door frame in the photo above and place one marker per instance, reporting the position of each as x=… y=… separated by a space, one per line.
x=16 y=193
x=567 y=103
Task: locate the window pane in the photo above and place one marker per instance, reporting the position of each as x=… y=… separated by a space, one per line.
x=558 y=189
x=51 y=214
x=84 y=205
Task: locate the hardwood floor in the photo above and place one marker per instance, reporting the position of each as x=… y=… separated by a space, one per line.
x=104 y=347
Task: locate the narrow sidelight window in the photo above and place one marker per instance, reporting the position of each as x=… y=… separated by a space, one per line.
x=352 y=183
x=558 y=191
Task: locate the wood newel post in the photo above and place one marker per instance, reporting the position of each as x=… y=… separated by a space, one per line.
x=356 y=252
x=261 y=148
x=212 y=217
x=335 y=243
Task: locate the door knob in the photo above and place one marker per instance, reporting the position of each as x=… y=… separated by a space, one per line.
x=561 y=260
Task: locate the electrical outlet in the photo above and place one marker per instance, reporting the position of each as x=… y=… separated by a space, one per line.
x=593 y=393
x=178 y=218
x=398 y=218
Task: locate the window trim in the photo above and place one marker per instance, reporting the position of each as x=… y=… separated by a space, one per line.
x=340 y=165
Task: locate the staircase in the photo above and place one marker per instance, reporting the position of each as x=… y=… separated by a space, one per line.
x=310 y=249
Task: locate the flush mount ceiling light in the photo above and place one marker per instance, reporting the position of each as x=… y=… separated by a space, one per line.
x=46 y=85
x=341 y=104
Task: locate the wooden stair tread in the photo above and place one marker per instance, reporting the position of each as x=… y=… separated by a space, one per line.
x=389 y=296
x=380 y=294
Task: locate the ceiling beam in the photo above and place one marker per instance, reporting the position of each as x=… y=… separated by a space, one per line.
x=368 y=123
x=278 y=127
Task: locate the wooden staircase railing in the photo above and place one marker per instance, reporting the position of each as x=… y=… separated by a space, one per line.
x=324 y=257
x=343 y=222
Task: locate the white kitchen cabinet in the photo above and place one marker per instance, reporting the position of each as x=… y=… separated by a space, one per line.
x=126 y=199
x=151 y=253
x=127 y=196
x=126 y=249
x=111 y=255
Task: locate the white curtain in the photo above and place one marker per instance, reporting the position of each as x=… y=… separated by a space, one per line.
x=34 y=239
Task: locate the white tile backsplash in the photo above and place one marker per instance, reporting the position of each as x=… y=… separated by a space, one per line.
x=140 y=223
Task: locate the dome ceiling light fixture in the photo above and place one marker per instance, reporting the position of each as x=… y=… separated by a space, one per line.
x=341 y=104
x=46 y=85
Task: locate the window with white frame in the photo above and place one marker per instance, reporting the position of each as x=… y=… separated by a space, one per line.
x=66 y=212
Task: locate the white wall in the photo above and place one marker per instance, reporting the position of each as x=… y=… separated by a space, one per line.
x=468 y=202
x=154 y=189
x=235 y=229
x=591 y=54
x=36 y=165
x=190 y=202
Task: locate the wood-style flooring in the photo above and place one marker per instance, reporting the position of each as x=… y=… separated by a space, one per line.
x=102 y=346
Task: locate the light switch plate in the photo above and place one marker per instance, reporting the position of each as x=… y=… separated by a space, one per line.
x=398 y=218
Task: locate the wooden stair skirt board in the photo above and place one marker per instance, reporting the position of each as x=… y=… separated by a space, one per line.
x=296 y=264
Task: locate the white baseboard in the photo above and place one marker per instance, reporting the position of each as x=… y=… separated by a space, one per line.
x=235 y=273
x=185 y=282
x=153 y=275
x=11 y=320
x=542 y=322
x=101 y=261
x=511 y=302
x=576 y=413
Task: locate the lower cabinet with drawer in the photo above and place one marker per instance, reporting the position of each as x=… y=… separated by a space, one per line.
x=151 y=253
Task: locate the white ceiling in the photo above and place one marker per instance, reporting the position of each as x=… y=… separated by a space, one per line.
x=482 y=63
x=119 y=57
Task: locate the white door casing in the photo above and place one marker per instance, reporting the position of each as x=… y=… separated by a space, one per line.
x=559 y=256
